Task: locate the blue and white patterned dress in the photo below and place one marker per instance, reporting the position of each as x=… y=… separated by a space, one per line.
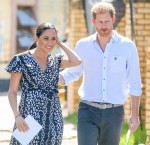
x=39 y=96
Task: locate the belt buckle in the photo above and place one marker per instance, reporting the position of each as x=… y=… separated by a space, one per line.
x=104 y=106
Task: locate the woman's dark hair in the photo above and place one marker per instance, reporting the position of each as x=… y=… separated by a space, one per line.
x=40 y=29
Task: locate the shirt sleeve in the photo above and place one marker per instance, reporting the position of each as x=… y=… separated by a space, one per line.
x=133 y=73
x=71 y=74
x=15 y=65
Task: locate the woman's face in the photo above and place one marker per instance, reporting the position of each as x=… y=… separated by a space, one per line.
x=47 y=40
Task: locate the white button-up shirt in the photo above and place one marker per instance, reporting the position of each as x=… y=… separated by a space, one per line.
x=107 y=76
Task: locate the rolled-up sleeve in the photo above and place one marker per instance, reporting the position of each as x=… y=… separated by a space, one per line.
x=71 y=74
x=133 y=73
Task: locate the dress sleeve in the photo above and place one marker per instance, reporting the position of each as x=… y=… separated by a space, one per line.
x=15 y=65
x=59 y=57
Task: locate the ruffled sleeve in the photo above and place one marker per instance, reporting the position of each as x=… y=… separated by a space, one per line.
x=15 y=65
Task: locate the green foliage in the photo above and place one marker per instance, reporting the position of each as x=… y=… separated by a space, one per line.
x=138 y=137
x=72 y=118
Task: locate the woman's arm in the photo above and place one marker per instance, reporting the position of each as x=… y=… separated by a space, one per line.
x=12 y=96
x=13 y=89
x=72 y=58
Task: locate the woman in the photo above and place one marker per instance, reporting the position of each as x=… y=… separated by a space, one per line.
x=36 y=71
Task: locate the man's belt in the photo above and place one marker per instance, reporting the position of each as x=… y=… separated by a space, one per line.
x=101 y=105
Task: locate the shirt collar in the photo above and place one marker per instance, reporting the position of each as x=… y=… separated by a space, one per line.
x=114 y=37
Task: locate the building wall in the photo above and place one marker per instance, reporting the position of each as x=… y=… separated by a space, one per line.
x=53 y=11
x=142 y=37
x=5 y=39
x=5 y=30
x=77 y=27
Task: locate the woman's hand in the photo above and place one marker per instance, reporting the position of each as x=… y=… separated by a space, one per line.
x=58 y=41
x=71 y=59
x=21 y=124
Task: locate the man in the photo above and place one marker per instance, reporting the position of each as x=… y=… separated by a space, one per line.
x=110 y=68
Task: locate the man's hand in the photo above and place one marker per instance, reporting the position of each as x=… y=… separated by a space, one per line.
x=134 y=123
x=134 y=118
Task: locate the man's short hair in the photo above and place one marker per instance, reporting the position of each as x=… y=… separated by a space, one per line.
x=101 y=8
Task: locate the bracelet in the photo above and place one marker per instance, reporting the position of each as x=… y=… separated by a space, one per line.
x=17 y=116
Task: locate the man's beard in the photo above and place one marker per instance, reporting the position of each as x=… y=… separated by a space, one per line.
x=104 y=32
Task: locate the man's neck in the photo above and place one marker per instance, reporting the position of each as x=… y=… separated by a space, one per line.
x=103 y=41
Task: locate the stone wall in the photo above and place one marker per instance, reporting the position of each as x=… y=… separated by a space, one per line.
x=142 y=40
x=142 y=37
x=147 y=94
x=77 y=27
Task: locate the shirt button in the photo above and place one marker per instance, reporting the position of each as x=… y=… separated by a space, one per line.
x=104 y=79
x=103 y=90
x=104 y=56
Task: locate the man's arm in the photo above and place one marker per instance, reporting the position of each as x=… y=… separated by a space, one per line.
x=134 y=118
x=135 y=87
x=70 y=74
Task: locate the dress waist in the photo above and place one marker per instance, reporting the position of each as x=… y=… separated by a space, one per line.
x=47 y=89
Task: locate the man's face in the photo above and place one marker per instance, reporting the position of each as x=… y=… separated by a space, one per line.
x=104 y=24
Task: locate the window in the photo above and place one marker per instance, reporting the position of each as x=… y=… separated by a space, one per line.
x=26 y=22
x=26 y=18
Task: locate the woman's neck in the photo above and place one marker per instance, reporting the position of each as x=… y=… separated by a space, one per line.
x=40 y=54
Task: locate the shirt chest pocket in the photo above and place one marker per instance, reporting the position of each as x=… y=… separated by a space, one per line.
x=118 y=64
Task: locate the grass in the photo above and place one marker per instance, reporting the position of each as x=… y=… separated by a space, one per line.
x=139 y=137
x=72 y=118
